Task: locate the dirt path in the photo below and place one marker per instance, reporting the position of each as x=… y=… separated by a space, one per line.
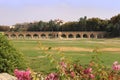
x=111 y=49
x=84 y=49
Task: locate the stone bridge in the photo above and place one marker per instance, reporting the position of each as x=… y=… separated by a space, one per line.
x=49 y=35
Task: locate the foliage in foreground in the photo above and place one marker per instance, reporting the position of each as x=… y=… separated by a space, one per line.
x=95 y=70
x=10 y=58
x=92 y=71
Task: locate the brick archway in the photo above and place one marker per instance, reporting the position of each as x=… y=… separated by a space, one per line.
x=70 y=36
x=48 y=35
x=85 y=36
x=63 y=36
x=43 y=36
x=21 y=36
x=92 y=35
x=78 y=36
x=35 y=36
x=13 y=35
x=28 y=36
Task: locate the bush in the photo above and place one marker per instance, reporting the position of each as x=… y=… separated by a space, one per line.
x=10 y=58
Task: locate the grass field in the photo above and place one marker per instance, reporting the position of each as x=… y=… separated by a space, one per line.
x=72 y=50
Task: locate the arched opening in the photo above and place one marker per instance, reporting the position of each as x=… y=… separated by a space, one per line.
x=92 y=36
x=78 y=36
x=63 y=36
x=13 y=36
x=21 y=36
x=85 y=36
x=35 y=36
x=28 y=36
x=7 y=35
x=43 y=36
x=70 y=36
x=99 y=36
x=51 y=35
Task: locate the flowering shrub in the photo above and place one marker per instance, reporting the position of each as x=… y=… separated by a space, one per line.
x=68 y=71
x=75 y=72
x=116 y=66
x=22 y=75
x=52 y=76
x=95 y=70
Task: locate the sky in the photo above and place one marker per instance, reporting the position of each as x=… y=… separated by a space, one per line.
x=20 y=11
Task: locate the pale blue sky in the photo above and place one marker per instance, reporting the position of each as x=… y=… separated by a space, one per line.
x=19 y=11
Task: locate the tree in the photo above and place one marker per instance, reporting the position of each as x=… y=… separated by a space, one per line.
x=82 y=23
x=54 y=25
x=4 y=28
x=70 y=26
x=114 y=26
x=103 y=25
x=93 y=24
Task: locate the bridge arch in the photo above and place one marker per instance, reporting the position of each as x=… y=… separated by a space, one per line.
x=35 y=36
x=92 y=35
x=7 y=35
x=63 y=36
x=20 y=36
x=70 y=36
x=28 y=36
x=85 y=36
x=78 y=36
x=43 y=36
x=13 y=36
x=99 y=36
x=50 y=35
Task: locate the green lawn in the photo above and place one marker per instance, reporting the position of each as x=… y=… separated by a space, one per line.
x=37 y=60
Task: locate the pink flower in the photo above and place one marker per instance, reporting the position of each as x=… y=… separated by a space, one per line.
x=26 y=74
x=72 y=74
x=91 y=76
x=116 y=66
x=52 y=76
x=18 y=73
x=63 y=64
x=22 y=75
x=88 y=71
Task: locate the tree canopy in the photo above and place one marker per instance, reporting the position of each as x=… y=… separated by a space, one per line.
x=111 y=26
